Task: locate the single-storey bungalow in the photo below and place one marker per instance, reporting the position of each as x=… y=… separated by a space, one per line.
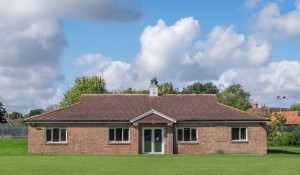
x=147 y=124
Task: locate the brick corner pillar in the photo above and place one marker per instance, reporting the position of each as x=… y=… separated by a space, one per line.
x=170 y=140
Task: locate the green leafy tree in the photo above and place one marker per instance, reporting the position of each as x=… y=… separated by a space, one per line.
x=16 y=115
x=295 y=107
x=235 y=96
x=83 y=85
x=2 y=112
x=166 y=88
x=199 y=88
x=35 y=112
x=133 y=91
x=275 y=128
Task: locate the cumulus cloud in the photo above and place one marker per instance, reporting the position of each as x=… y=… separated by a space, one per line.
x=33 y=40
x=116 y=73
x=267 y=82
x=270 y=21
x=176 y=53
x=251 y=3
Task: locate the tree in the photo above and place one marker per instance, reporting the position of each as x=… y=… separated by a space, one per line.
x=295 y=107
x=199 y=88
x=166 y=88
x=35 y=112
x=16 y=115
x=235 y=96
x=133 y=91
x=83 y=85
x=275 y=128
x=2 y=112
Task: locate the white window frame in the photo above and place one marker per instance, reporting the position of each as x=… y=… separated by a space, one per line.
x=240 y=133
x=115 y=130
x=182 y=128
x=59 y=136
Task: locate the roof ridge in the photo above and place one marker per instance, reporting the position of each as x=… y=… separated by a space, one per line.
x=147 y=95
x=35 y=116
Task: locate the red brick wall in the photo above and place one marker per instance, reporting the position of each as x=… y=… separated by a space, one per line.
x=216 y=139
x=82 y=139
x=93 y=139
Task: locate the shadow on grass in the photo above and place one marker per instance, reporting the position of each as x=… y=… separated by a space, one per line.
x=282 y=152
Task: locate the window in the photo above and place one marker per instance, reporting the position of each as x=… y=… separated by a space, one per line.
x=56 y=135
x=186 y=134
x=118 y=135
x=239 y=134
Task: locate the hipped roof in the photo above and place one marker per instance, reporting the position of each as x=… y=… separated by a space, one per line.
x=124 y=107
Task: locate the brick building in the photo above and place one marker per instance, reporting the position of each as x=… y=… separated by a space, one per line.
x=147 y=124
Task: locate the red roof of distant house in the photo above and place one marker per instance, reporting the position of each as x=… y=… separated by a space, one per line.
x=292 y=117
x=124 y=107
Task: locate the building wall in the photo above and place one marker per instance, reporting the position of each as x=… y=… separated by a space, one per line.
x=93 y=139
x=216 y=139
x=81 y=139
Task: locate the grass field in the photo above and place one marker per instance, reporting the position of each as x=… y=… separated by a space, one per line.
x=15 y=160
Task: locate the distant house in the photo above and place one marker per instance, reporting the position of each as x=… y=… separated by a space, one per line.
x=147 y=124
x=292 y=117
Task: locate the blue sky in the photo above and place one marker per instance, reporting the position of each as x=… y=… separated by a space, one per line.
x=45 y=46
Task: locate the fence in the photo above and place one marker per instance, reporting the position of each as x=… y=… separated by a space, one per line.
x=13 y=132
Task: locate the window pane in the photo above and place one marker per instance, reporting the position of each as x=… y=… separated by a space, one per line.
x=194 y=134
x=147 y=140
x=111 y=135
x=63 y=135
x=125 y=134
x=243 y=133
x=179 y=134
x=119 y=134
x=235 y=133
x=187 y=136
x=48 y=135
x=56 y=135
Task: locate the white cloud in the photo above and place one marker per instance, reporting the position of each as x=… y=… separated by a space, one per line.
x=251 y=3
x=33 y=40
x=267 y=82
x=116 y=73
x=175 y=53
x=271 y=22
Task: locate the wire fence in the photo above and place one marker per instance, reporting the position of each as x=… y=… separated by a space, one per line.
x=13 y=132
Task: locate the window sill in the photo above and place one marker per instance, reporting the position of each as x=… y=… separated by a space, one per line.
x=56 y=143
x=119 y=143
x=187 y=143
x=240 y=141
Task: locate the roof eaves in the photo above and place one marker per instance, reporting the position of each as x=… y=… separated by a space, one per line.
x=78 y=121
x=222 y=121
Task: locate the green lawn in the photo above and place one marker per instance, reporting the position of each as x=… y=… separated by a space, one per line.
x=15 y=160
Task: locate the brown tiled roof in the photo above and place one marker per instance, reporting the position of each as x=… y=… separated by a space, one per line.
x=259 y=111
x=123 y=107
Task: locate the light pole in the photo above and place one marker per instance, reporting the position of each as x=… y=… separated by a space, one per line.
x=279 y=98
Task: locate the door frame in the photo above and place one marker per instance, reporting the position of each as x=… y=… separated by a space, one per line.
x=152 y=140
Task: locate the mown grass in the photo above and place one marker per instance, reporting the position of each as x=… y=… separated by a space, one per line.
x=19 y=162
x=285 y=148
